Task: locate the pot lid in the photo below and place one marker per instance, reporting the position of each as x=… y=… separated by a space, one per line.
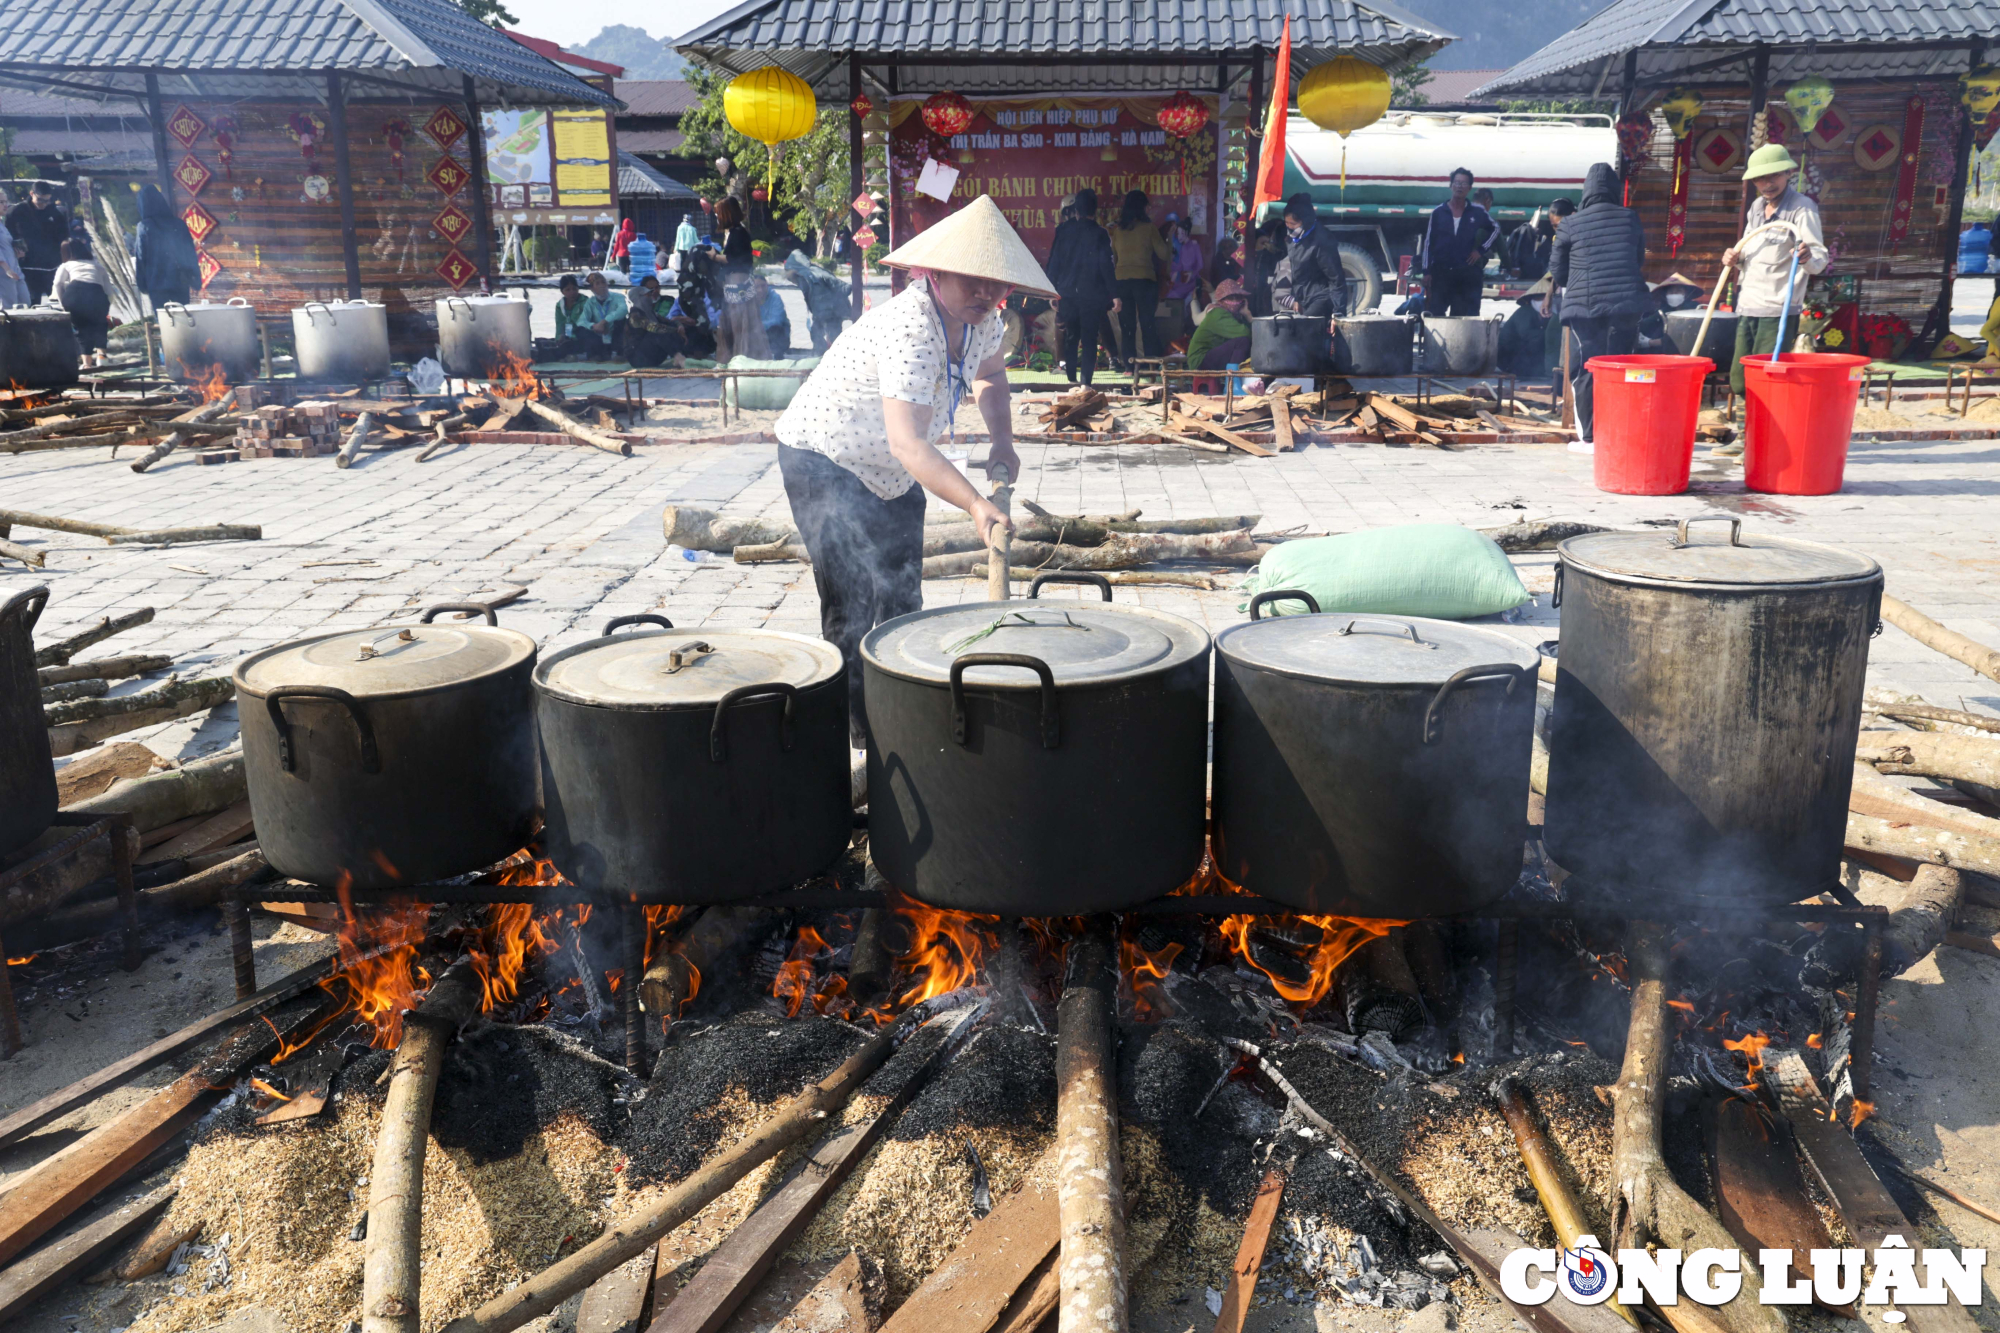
x=389 y=659
x=1705 y=553
x=683 y=668
x=1084 y=643
x=1367 y=649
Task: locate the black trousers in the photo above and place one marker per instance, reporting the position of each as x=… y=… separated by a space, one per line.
x=89 y=314
x=867 y=558
x=1602 y=335
x=652 y=348
x=1139 y=300
x=1453 y=294
x=1079 y=325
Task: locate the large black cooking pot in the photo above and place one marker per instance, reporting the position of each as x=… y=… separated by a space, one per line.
x=38 y=348
x=392 y=755
x=1370 y=765
x=1049 y=767
x=1290 y=345
x=694 y=766
x=1707 y=705
x=27 y=774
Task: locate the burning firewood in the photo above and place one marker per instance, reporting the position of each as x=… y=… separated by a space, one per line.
x=1650 y=1207
x=713 y=940
x=391 y=1272
x=1090 y=1179
x=1984 y=660
x=174 y=441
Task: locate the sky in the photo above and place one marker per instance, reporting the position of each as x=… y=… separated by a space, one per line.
x=571 y=22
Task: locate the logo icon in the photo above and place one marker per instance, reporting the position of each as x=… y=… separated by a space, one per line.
x=1586 y=1273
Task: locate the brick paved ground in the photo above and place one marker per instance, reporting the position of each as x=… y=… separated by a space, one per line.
x=581 y=529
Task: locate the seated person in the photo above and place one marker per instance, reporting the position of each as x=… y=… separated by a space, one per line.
x=652 y=339
x=1223 y=336
x=771 y=314
x=603 y=321
x=690 y=314
x=567 y=345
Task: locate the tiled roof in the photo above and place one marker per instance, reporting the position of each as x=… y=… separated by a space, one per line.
x=655 y=97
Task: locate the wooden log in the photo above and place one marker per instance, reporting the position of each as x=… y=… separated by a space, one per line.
x=1090 y=1189
x=1242 y=1283
x=151 y=1252
x=129 y=435
x=1129 y=578
x=735 y=1267
x=1000 y=537
x=40 y=892
x=27 y=555
x=22 y=518
x=89 y=421
x=60 y=652
x=19 y=1124
x=218 y=830
x=75 y=689
x=633 y=1235
x=41 y=1198
x=1034 y=1305
x=615 y=1302
x=216 y=532
x=105 y=668
x=1187 y=425
x=977 y=1282
x=1121 y=550
x=1539 y=1156
x=440 y=434
x=197 y=694
x=362 y=425
x=577 y=430
x=1914 y=710
x=717 y=936
x=195 y=892
x=1932 y=754
x=772 y=553
x=1984 y=660
x=1916 y=842
x=200 y=787
x=22 y=1285
x=1648 y=1205
x=94 y=775
x=175 y=440
x=1281 y=426
x=1921 y=917
x=391 y=1270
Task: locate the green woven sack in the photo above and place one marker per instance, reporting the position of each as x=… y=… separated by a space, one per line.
x=1423 y=569
x=769 y=395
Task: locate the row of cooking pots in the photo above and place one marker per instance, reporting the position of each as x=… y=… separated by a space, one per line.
x=342 y=342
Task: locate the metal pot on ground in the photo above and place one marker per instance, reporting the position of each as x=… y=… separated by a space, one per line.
x=1374 y=345
x=1054 y=765
x=694 y=766
x=27 y=774
x=38 y=348
x=1289 y=345
x=1719 y=346
x=392 y=755
x=1460 y=346
x=341 y=342
x=481 y=337
x=198 y=340
x=1371 y=765
x=1707 y=705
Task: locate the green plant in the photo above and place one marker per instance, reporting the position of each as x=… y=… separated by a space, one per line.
x=708 y=136
x=1406 y=85
x=492 y=12
x=1560 y=106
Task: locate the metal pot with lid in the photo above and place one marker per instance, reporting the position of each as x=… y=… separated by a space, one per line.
x=1374 y=345
x=1037 y=758
x=199 y=341
x=1290 y=345
x=480 y=337
x=1460 y=345
x=1371 y=765
x=341 y=342
x=1707 y=707
x=27 y=774
x=694 y=766
x=392 y=755
x=38 y=348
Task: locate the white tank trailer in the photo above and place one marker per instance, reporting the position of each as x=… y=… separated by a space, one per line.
x=1399 y=169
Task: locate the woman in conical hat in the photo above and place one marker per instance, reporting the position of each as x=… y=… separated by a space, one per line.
x=858 y=445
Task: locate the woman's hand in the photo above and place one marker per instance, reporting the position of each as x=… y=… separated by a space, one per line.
x=986 y=516
x=1001 y=454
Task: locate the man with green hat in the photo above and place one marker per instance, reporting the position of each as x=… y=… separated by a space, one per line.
x=1767 y=256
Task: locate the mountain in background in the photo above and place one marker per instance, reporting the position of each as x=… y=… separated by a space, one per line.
x=1500 y=36
x=642 y=56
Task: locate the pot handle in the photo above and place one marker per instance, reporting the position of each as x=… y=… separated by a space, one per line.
x=471 y=608
x=32 y=602
x=1508 y=669
x=1348 y=628
x=742 y=692
x=1269 y=595
x=1097 y=581
x=371 y=759
x=1051 y=721
x=620 y=622
x=1556 y=594
x=1735 y=529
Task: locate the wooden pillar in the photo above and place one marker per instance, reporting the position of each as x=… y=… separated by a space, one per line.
x=1254 y=122
x=1627 y=85
x=343 y=180
x=1940 y=316
x=857 y=179
x=159 y=119
x=1760 y=92
x=482 y=202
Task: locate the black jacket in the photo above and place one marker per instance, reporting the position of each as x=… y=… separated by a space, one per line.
x=1082 y=266
x=1449 y=242
x=1319 y=283
x=1531 y=252
x=42 y=230
x=1599 y=253
x=166 y=264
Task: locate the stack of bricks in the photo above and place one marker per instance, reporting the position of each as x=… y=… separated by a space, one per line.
x=307 y=430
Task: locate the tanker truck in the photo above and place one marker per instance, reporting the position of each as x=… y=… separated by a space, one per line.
x=1399 y=169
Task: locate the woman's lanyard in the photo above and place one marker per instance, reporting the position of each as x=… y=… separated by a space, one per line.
x=957 y=376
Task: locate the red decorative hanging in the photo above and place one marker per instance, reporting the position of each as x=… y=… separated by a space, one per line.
x=191 y=175
x=307 y=129
x=200 y=222
x=207 y=265
x=452 y=224
x=1635 y=137
x=448 y=176
x=185 y=126
x=1677 y=211
x=1183 y=115
x=225 y=144
x=1906 y=173
x=446 y=126
x=457 y=270
x=394 y=132
x=947 y=114
x=861 y=106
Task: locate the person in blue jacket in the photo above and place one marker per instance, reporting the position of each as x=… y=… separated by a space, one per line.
x=1456 y=244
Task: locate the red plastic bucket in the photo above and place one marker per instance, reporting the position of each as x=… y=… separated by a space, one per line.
x=1798 y=412
x=1645 y=414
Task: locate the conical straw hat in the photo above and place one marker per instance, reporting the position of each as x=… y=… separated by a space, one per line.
x=978 y=242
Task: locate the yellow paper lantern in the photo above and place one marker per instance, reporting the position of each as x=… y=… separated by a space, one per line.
x=770 y=105
x=1344 y=95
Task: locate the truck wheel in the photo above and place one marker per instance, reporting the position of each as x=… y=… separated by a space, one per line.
x=1364 y=279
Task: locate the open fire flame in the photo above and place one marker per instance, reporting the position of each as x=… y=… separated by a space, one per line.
x=210 y=384
x=517 y=377
x=1340 y=936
